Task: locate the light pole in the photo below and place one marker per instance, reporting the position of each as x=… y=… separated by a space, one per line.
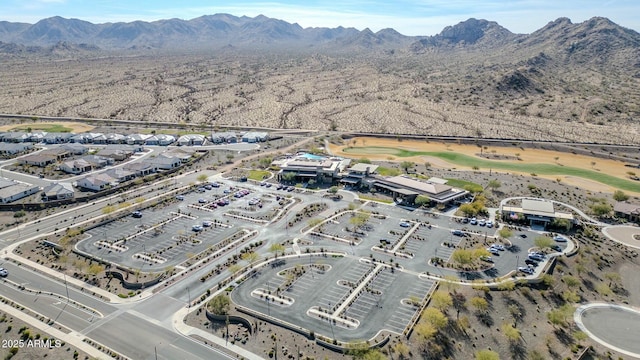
x=66 y=286
x=189 y=295
x=268 y=300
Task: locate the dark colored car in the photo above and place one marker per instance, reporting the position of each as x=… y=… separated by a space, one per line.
x=531 y=262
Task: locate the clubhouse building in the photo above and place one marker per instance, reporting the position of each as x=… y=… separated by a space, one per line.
x=538 y=213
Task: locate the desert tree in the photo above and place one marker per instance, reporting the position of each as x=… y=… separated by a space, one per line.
x=441 y=300
x=406 y=165
x=543 y=242
x=620 y=195
x=219 y=305
x=494 y=184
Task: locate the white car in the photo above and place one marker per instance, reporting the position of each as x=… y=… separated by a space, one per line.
x=489 y=223
x=498 y=247
x=405 y=224
x=473 y=221
x=526 y=270
x=3 y=272
x=560 y=238
x=494 y=251
x=481 y=222
x=207 y=223
x=196 y=228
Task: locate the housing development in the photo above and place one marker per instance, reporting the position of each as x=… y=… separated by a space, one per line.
x=229 y=233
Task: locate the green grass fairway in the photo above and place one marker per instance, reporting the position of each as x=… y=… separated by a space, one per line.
x=43 y=127
x=258 y=175
x=538 y=168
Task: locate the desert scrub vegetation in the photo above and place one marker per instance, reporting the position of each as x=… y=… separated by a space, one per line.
x=403 y=95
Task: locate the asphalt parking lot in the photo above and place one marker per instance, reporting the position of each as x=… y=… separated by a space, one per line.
x=381 y=306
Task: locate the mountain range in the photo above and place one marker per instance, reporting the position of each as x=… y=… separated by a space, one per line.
x=597 y=36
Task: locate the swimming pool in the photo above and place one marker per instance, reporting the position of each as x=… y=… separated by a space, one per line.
x=312 y=156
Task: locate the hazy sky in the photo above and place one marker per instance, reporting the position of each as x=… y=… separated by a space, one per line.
x=409 y=17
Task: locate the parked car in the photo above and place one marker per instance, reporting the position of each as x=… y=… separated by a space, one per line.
x=207 y=223
x=536 y=257
x=473 y=221
x=498 y=247
x=136 y=214
x=526 y=270
x=489 y=224
x=494 y=251
x=465 y=220
x=531 y=262
x=482 y=222
x=201 y=189
x=457 y=232
x=179 y=197
x=524 y=236
x=3 y=272
x=488 y=259
x=202 y=200
x=208 y=187
x=556 y=248
x=215 y=185
x=197 y=228
x=268 y=185
x=404 y=224
x=560 y=238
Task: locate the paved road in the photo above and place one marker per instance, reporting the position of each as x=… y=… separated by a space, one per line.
x=614 y=326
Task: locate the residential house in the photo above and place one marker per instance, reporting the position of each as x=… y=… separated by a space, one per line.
x=36 y=137
x=16 y=137
x=58 y=191
x=76 y=166
x=191 y=140
x=100 y=139
x=59 y=153
x=224 y=137
x=184 y=154
x=80 y=138
x=16 y=191
x=97 y=182
x=57 y=138
x=254 y=137
x=138 y=139
x=141 y=168
x=40 y=160
x=98 y=161
x=115 y=138
x=14 y=149
x=164 y=162
x=131 y=149
x=161 y=140
x=75 y=149
x=121 y=174
x=115 y=154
